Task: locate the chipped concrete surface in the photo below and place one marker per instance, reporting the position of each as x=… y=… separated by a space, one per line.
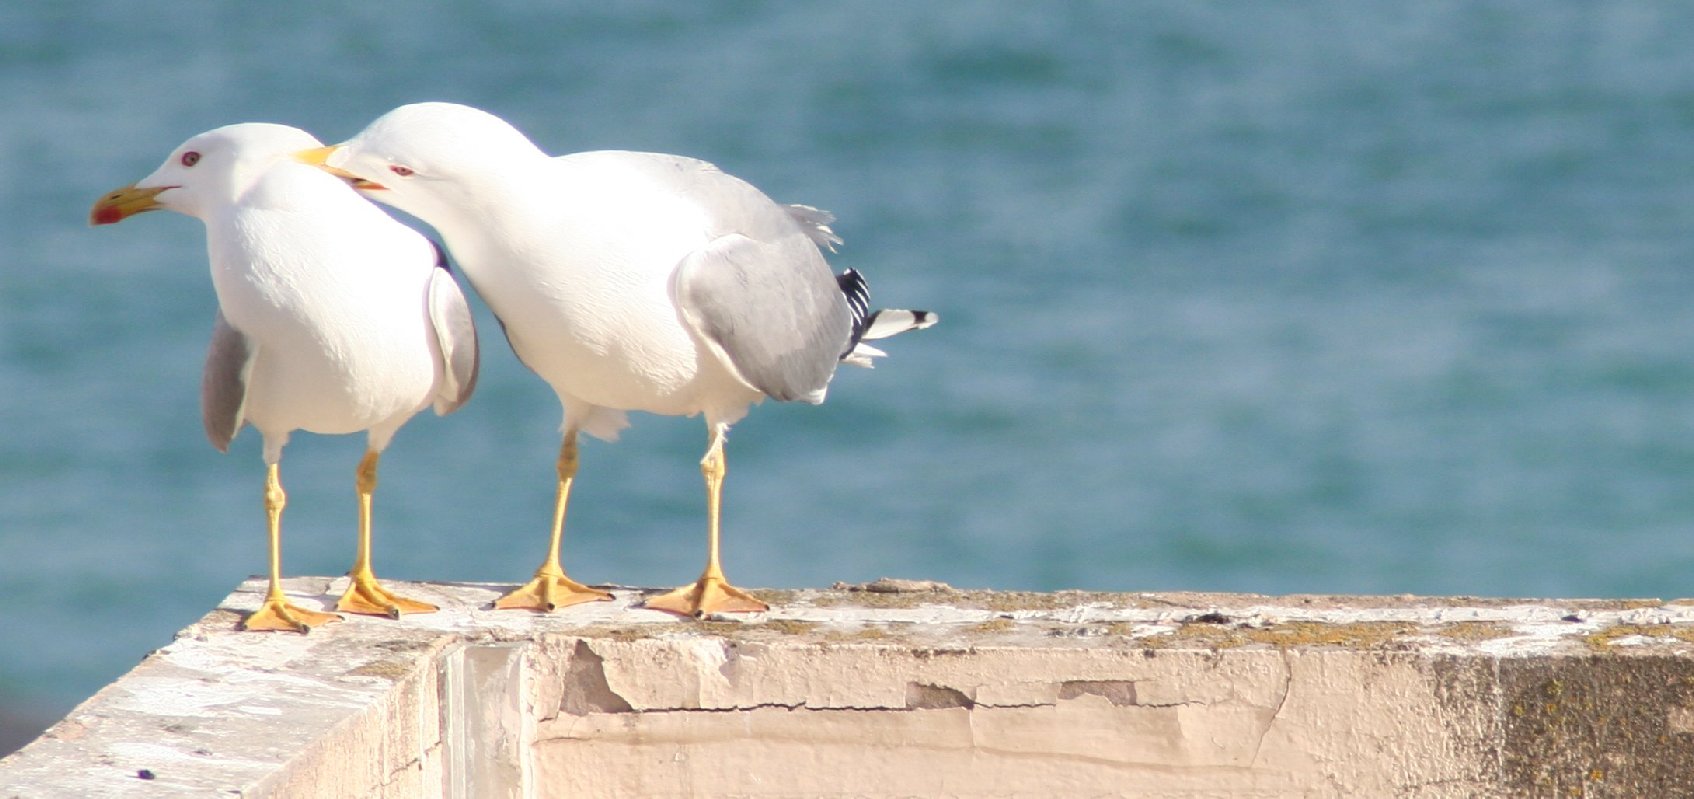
x=900 y=688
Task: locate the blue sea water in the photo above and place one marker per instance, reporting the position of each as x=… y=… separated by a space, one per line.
x=1324 y=296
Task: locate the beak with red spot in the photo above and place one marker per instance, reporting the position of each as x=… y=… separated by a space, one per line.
x=125 y=203
x=319 y=157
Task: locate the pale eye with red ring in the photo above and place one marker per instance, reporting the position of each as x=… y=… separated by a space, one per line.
x=190 y=158
x=402 y=171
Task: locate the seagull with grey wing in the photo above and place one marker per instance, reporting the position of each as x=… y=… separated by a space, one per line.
x=629 y=282
x=332 y=318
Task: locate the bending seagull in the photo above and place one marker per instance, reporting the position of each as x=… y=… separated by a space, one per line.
x=332 y=318
x=629 y=282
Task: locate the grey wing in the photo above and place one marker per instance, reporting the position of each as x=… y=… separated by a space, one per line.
x=223 y=384
x=455 y=334
x=772 y=309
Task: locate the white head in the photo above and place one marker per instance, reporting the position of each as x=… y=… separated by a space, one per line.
x=424 y=158
x=212 y=169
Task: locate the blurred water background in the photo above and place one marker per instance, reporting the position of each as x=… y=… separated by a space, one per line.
x=1362 y=297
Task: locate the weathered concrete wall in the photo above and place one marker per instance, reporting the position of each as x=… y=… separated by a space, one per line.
x=914 y=693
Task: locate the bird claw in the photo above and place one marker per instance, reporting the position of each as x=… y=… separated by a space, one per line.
x=366 y=597
x=277 y=614
x=704 y=597
x=549 y=591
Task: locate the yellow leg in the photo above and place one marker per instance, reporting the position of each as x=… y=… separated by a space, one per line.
x=551 y=589
x=276 y=613
x=711 y=593
x=363 y=594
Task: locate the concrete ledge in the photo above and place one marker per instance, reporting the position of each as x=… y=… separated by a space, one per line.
x=923 y=691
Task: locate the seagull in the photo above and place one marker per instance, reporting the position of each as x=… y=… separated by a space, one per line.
x=629 y=282
x=332 y=318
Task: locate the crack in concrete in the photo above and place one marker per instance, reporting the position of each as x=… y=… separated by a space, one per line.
x=764 y=706
x=1193 y=703
x=1287 y=688
x=848 y=708
x=920 y=697
x=415 y=764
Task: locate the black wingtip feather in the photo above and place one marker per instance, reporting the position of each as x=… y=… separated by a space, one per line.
x=858 y=294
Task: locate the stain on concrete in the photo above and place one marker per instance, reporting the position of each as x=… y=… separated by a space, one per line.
x=1597 y=726
x=1610 y=636
x=386 y=669
x=923 y=696
x=1119 y=692
x=1286 y=635
x=1473 y=631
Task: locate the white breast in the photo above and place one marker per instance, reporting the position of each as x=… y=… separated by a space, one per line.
x=331 y=295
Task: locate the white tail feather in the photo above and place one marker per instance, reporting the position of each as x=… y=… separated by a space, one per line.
x=863 y=355
x=894 y=321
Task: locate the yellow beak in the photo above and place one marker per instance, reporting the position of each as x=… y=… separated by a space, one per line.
x=124 y=203
x=319 y=157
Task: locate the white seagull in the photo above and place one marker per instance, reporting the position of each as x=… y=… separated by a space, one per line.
x=332 y=318
x=629 y=282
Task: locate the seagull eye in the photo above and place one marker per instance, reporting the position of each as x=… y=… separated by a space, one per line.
x=190 y=158
x=402 y=171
